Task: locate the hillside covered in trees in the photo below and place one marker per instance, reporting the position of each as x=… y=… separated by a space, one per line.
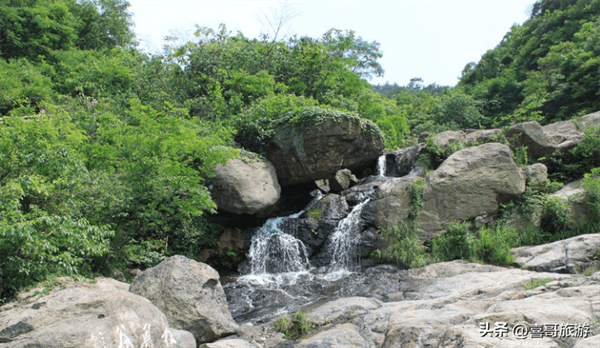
x=105 y=149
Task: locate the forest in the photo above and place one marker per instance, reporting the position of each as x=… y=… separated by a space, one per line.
x=105 y=149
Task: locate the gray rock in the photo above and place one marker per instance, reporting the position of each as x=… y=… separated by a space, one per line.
x=403 y=162
x=342 y=180
x=229 y=343
x=471 y=182
x=444 y=139
x=574 y=195
x=303 y=153
x=390 y=204
x=243 y=186
x=339 y=336
x=543 y=141
x=482 y=136
x=190 y=295
x=573 y=255
x=536 y=174
x=97 y=315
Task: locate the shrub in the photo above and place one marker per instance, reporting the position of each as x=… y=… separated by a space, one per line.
x=454 y=244
x=405 y=248
x=493 y=246
x=591 y=185
x=296 y=327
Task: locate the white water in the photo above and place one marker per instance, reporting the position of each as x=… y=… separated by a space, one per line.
x=381 y=165
x=276 y=256
x=345 y=240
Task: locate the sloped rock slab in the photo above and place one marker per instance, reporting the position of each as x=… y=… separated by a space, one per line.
x=87 y=315
x=572 y=255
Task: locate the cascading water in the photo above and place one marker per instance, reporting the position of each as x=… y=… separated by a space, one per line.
x=275 y=255
x=345 y=240
x=381 y=165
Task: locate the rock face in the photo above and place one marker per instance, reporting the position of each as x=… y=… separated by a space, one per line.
x=307 y=152
x=402 y=162
x=471 y=182
x=244 y=186
x=391 y=202
x=97 y=315
x=190 y=295
x=573 y=255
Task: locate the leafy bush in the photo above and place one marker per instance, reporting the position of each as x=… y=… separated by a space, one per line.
x=405 y=249
x=434 y=154
x=456 y=243
x=591 y=185
x=493 y=246
x=298 y=326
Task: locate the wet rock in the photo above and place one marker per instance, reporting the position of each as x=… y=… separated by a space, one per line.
x=364 y=189
x=307 y=152
x=244 y=186
x=104 y=314
x=190 y=295
x=573 y=255
x=342 y=180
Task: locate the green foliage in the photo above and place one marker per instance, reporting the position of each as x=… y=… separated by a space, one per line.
x=536 y=283
x=434 y=154
x=404 y=249
x=520 y=156
x=545 y=70
x=23 y=88
x=315 y=213
x=493 y=245
x=298 y=326
x=415 y=192
x=556 y=217
x=456 y=243
x=591 y=185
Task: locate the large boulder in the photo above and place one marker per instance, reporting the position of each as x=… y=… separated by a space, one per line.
x=244 y=185
x=391 y=203
x=471 y=182
x=97 y=315
x=402 y=162
x=573 y=194
x=543 y=141
x=307 y=150
x=190 y=295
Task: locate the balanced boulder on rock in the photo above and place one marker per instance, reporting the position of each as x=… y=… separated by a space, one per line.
x=306 y=151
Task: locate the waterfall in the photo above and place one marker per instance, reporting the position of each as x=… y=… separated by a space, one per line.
x=274 y=252
x=381 y=165
x=345 y=240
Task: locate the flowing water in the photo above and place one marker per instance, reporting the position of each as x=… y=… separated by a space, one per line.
x=381 y=165
x=345 y=241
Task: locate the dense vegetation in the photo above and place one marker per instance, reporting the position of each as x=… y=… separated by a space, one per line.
x=104 y=149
